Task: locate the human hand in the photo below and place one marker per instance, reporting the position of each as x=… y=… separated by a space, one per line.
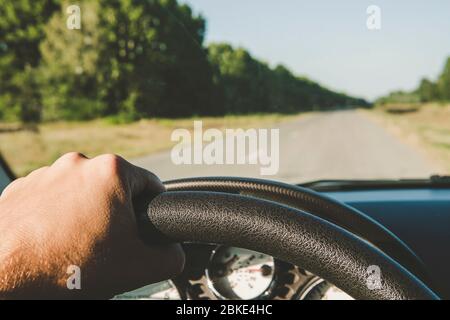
x=79 y=212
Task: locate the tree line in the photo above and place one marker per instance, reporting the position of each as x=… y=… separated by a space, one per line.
x=134 y=59
x=427 y=91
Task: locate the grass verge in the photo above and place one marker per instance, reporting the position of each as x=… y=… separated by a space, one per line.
x=26 y=149
x=426 y=127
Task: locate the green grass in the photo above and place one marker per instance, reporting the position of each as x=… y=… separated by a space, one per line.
x=26 y=149
x=427 y=127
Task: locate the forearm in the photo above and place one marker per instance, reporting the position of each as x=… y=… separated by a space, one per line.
x=24 y=275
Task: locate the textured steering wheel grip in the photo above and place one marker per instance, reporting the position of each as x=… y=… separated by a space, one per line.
x=284 y=232
x=317 y=204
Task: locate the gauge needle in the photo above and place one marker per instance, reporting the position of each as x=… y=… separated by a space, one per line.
x=254 y=270
x=228 y=265
x=231 y=262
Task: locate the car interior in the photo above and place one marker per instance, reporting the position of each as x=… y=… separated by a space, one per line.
x=6 y=176
x=304 y=147
x=258 y=239
x=389 y=217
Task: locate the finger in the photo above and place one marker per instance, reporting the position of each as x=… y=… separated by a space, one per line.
x=144 y=181
x=69 y=159
x=141 y=181
x=135 y=179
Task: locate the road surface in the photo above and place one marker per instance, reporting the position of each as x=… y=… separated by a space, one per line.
x=330 y=145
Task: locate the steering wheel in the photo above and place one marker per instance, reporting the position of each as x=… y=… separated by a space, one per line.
x=297 y=225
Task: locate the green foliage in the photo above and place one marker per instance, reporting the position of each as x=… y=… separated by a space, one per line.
x=134 y=59
x=138 y=58
x=21 y=31
x=443 y=82
x=241 y=81
x=246 y=85
x=427 y=91
x=70 y=59
x=399 y=97
x=21 y=28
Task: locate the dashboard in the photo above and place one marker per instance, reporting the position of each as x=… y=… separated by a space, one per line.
x=420 y=217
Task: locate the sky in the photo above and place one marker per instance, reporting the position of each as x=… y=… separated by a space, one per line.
x=328 y=40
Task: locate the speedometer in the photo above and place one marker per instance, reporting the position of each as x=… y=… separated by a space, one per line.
x=235 y=273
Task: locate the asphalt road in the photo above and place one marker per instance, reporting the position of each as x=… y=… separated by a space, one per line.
x=331 y=145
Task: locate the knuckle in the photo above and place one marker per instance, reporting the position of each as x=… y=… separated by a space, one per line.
x=71 y=157
x=110 y=165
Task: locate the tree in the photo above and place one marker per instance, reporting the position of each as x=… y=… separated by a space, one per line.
x=444 y=82
x=242 y=83
x=69 y=68
x=21 y=31
x=248 y=85
x=427 y=91
x=154 y=50
x=132 y=58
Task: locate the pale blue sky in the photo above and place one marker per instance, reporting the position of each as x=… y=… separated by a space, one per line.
x=327 y=40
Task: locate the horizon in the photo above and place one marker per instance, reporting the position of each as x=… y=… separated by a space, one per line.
x=333 y=46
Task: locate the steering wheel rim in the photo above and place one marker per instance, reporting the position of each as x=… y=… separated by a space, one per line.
x=287 y=233
x=315 y=203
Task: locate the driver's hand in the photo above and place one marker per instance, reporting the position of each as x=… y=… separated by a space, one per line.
x=79 y=212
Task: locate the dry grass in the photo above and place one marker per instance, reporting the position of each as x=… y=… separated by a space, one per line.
x=425 y=126
x=26 y=150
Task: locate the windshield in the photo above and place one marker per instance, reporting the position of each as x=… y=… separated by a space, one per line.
x=293 y=91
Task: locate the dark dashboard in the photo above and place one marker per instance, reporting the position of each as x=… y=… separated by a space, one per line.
x=420 y=217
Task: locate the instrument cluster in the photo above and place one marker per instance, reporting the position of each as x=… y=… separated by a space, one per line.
x=218 y=272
